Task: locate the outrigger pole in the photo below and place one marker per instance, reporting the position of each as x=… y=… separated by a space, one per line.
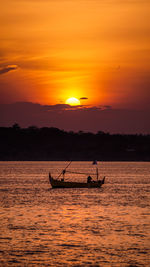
x=64 y=171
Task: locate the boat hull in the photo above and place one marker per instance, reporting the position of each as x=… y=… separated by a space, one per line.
x=64 y=184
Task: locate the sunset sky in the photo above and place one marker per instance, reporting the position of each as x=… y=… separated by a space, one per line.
x=97 y=51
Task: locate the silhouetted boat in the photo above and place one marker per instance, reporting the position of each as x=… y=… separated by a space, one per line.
x=56 y=183
x=64 y=184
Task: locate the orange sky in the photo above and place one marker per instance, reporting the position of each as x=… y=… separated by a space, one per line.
x=51 y=50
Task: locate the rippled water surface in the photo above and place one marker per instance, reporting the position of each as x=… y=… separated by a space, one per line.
x=40 y=226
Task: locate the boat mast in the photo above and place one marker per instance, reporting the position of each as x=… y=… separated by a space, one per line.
x=95 y=163
x=97 y=173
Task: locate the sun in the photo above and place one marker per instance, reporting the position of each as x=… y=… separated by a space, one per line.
x=72 y=101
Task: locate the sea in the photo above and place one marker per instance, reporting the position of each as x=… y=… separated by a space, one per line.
x=107 y=226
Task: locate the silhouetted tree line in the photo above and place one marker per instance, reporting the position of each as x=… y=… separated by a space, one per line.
x=34 y=143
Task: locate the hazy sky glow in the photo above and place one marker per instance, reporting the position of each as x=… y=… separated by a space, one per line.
x=95 y=50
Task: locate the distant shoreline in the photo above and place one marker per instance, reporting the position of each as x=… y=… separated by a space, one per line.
x=53 y=144
x=74 y=160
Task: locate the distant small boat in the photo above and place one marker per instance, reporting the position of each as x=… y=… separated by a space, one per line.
x=61 y=183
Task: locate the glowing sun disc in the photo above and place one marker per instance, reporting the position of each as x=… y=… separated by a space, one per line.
x=73 y=101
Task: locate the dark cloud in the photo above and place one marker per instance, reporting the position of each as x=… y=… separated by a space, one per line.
x=8 y=68
x=83 y=98
x=62 y=116
x=61 y=107
x=106 y=107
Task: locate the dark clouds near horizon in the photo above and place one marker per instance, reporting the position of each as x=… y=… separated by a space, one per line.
x=81 y=118
x=8 y=68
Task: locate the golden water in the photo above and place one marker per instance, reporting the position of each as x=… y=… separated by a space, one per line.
x=41 y=226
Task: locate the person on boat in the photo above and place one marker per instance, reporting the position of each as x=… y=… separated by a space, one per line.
x=89 y=179
x=63 y=172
